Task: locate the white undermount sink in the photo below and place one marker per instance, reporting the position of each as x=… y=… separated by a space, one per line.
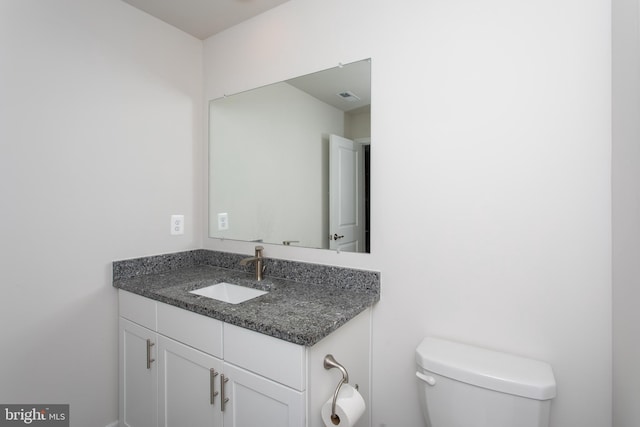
x=227 y=292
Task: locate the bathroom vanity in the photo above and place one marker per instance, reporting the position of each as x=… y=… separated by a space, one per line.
x=186 y=359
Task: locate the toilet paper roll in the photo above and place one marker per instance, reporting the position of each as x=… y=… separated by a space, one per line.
x=349 y=408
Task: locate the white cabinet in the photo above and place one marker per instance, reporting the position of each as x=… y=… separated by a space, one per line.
x=266 y=375
x=138 y=376
x=182 y=369
x=257 y=401
x=138 y=370
x=189 y=368
x=189 y=395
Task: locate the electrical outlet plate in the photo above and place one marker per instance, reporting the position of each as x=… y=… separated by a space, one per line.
x=223 y=221
x=177 y=224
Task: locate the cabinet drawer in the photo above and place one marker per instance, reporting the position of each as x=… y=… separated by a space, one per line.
x=195 y=330
x=276 y=359
x=138 y=309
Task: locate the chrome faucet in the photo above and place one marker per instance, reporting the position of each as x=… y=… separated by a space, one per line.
x=258 y=260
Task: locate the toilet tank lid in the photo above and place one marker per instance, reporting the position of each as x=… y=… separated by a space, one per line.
x=489 y=369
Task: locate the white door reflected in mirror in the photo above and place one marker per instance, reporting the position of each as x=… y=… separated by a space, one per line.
x=346 y=195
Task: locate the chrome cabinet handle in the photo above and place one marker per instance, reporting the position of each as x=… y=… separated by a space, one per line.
x=223 y=399
x=212 y=385
x=335 y=236
x=149 y=359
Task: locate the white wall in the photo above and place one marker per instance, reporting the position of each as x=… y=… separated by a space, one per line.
x=491 y=183
x=100 y=142
x=626 y=209
x=358 y=123
x=490 y=195
x=270 y=142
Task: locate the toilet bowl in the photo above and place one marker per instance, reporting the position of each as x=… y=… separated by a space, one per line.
x=466 y=386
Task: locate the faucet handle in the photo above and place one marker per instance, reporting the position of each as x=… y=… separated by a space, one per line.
x=259 y=250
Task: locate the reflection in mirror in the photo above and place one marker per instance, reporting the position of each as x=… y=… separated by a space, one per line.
x=289 y=162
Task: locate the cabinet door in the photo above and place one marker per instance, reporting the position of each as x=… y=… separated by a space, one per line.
x=257 y=401
x=189 y=394
x=138 y=376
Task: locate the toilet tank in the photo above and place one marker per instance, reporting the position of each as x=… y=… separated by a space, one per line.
x=462 y=386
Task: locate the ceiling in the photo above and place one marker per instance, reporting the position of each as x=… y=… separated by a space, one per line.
x=328 y=84
x=204 y=18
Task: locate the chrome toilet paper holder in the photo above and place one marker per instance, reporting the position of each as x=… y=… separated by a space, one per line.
x=329 y=363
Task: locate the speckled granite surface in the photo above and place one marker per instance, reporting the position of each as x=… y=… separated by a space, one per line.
x=305 y=303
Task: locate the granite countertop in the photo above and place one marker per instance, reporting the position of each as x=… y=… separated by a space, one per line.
x=300 y=312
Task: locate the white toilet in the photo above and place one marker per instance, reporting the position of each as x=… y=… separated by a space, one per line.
x=465 y=386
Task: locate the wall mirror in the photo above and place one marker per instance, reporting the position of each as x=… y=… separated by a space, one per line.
x=289 y=163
